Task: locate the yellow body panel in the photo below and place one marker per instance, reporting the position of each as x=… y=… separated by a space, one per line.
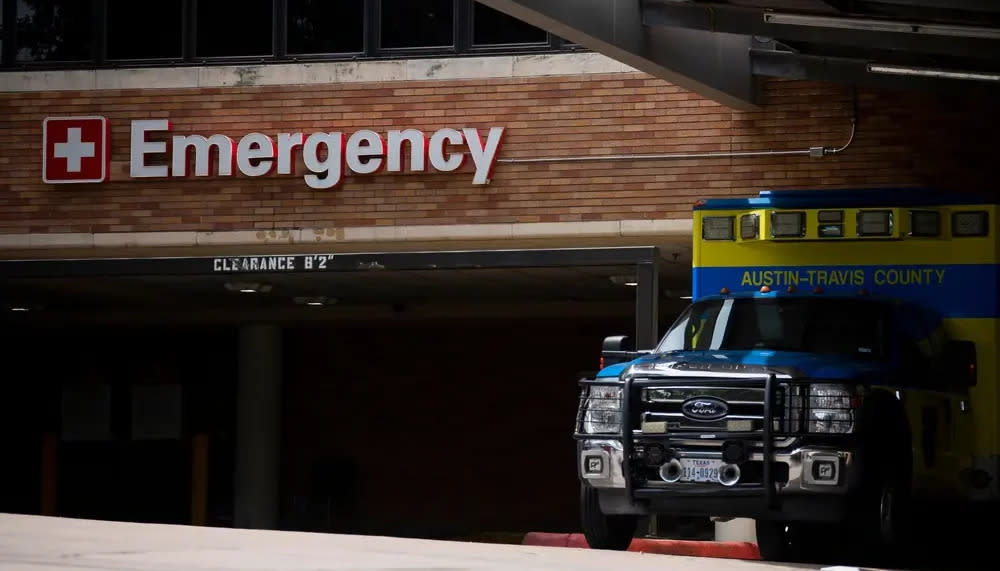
x=967 y=421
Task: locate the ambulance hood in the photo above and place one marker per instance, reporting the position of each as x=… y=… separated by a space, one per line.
x=755 y=362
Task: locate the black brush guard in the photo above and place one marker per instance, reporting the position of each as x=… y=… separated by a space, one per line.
x=765 y=436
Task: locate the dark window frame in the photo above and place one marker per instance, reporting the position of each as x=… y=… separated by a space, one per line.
x=462 y=45
x=102 y=31
x=223 y=60
x=9 y=57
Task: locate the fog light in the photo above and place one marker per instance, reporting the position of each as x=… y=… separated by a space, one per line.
x=824 y=471
x=595 y=464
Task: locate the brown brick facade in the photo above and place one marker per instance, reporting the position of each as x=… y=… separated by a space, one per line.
x=902 y=139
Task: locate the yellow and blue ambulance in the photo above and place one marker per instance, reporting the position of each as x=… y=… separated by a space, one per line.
x=836 y=365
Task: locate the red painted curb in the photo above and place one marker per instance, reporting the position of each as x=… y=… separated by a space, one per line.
x=720 y=549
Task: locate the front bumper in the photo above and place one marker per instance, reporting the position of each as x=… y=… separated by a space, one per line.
x=806 y=493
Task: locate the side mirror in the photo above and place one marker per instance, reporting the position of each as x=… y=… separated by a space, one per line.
x=960 y=363
x=618 y=349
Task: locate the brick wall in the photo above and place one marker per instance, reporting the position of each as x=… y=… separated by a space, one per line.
x=902 y=139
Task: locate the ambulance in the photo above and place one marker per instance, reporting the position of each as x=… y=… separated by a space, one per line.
x=835 y=369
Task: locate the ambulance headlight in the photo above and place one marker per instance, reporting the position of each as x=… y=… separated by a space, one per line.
x=875 y=223
x=831 y=409
x=788 y=224
x=969 y=224
x=602 y=409
x=717 y=228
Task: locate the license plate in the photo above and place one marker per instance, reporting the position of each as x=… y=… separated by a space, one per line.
x=700 y=469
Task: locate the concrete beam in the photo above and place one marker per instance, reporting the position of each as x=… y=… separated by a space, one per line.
x=715 y=65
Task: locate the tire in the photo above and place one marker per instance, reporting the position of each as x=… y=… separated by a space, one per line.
x=611 y=532
x=880 y=515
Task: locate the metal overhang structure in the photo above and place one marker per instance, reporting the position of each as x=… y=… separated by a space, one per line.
x=645 y=261
x=721 y=48
x=712 y=64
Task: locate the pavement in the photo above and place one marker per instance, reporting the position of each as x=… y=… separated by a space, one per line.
x=36 y=543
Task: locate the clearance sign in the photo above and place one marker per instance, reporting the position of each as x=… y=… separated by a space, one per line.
x=77 y=149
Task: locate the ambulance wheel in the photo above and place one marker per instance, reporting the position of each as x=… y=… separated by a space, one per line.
x=612 y=532
x=881 y=513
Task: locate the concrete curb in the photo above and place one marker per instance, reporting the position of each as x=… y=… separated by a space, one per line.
x=718 y=549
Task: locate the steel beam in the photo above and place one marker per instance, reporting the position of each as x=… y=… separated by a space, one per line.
x=715 y=65
x=322 y=263
x=750 y=21
x=853 y=71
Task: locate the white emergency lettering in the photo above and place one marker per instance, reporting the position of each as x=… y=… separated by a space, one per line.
x=328 y=156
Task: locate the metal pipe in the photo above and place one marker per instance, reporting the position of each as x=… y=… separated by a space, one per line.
x=811 y=151
x=729 y=475
x=671 y=471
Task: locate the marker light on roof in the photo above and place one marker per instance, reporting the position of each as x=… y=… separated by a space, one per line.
x=817 y=289
x=969 y=223
x=790 y=289
x=765 y=289
x=874 y=223
x=724 y=291
x=925 y=223
x=831 y=223
x=717 y=228
x=863 y=292
x=788 y=224
x=749 y=226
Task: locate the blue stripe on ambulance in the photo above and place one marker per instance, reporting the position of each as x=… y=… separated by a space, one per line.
x=954 y=290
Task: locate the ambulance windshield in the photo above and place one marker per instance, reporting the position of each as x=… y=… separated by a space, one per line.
x=856 y=329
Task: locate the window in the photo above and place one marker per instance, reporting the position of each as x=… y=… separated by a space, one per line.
x=68 y=34
x=54 y=30
x=234 y=28
x=130 y=36
x=412 y=24
x=850 y=328
x=491 y=27
x=326 y=26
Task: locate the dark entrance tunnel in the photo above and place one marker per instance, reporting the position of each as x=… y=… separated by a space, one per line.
x=413 y=403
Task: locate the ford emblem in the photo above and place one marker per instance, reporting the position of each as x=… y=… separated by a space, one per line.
x=705 y=408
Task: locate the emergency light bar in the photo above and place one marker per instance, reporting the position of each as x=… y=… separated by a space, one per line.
x=825 y=225
x=749 y=227
x=788 y=224
x=875 y=223
x=925 y=223
x=831 y=224
x=969 y=223
x=717 y=228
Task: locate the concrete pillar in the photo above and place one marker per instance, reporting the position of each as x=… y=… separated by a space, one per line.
x=647 y=292
x=736 y=529
x=258 y=427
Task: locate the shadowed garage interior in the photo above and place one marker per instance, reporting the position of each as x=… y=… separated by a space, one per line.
x=415 y=402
